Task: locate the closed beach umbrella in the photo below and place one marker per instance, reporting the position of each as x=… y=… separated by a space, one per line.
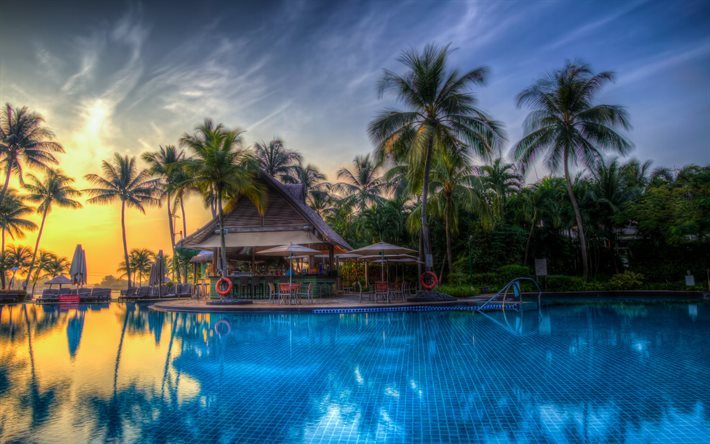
x=78 y=266
x=157 y=271
x=289 y=251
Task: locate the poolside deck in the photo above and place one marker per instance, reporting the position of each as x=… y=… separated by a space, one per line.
x=343 y=302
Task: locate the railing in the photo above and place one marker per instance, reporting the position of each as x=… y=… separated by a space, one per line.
x=517 y=328
x=517 y=293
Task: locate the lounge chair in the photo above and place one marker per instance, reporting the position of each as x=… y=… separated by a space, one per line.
x=49 y=295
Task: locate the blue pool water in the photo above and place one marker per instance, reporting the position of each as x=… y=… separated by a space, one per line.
x=573 y=373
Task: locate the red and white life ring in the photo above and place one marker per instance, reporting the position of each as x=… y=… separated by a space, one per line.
x=434 y=280
x=218 y=286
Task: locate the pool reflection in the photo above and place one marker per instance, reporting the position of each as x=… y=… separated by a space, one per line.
x=573 y=373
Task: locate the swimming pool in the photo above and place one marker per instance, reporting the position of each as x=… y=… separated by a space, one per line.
x=598 y=372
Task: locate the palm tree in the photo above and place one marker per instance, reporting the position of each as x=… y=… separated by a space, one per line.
x=18 y=259
x=314 y=187
x=122 y=180
x=275 y=160
x=12 y=217
x=453 y=188
x=24 y=141
x=13 y=213
x=167 y=163
x=56 y=265
x=440 y=113
x=141 y=261
x=500 y=180
x=569 y=129
x=40 y=272
x=224 y=170
x=56 y=189
x=363 y=185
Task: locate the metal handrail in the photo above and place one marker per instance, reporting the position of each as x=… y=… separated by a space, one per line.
x=506 y=288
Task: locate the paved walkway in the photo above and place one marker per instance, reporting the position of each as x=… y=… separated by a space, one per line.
x=338 y=302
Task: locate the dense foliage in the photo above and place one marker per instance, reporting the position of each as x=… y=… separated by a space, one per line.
x=436 y=181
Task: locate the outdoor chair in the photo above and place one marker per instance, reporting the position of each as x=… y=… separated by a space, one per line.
x=272 y=293
x=364 y=294
x=307 y=293
x=397 y=292
x=285 y=292
x=382 y=291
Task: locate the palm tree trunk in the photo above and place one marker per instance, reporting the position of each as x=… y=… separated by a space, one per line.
x=426 y=245
x=447 y=230
x=172 y=236
x=125 y=244
x=184 y=234
x=578 y=218
x=222 y=240
x=2 y=266
x=34 y=254
x=527 y=242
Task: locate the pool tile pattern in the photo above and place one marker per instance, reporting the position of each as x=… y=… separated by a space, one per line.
x=574 y=373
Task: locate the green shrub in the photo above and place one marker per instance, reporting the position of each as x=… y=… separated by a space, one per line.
x=457 y=278
x=507 y=273
x=485 y=279
x=562 y=282
x=459 y=291
x=627 y=280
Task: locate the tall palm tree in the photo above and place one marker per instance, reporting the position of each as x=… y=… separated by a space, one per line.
x=440 y=112
x=453 y=188
x=55 y=189
x=224 y=169
x=275 y=160
x=167 y=163
x=569 y=129
x=362 y=185
x=122 y=180
x=24 y=141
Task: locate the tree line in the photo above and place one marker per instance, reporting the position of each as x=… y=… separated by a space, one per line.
x=437 y=180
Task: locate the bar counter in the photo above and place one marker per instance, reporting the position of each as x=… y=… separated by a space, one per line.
x=257 y=287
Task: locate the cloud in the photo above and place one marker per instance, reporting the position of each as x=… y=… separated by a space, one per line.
x=668 y=59
x=593 y=26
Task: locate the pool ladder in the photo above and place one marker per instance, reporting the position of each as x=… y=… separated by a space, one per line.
x=499 y=300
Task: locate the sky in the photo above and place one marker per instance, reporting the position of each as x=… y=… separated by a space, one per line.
x=129 y=76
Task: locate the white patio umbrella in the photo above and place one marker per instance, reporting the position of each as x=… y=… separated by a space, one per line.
x=381 y=249
x=78 y=266
x=289 y=251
